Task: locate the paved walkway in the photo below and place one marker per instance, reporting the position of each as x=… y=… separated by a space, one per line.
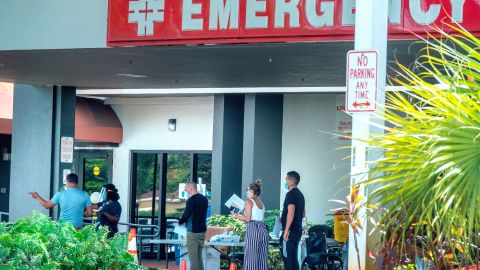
x=154 y=264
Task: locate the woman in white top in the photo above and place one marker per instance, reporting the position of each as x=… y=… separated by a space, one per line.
x=256 y=238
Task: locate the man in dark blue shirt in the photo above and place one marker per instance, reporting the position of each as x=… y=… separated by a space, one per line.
x=195 y=216
x=292 y=215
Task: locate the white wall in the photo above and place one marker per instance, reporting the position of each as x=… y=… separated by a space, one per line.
x=53 y=24
x=145 y=122
x=308 y=149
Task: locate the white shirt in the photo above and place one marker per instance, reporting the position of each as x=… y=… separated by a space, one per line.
x=257 y=213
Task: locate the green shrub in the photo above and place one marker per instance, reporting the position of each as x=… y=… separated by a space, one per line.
x=37 y=242
x=270 y=217
x=330 y=223
x=275 y=261
x=238 y=226
x=274 y=258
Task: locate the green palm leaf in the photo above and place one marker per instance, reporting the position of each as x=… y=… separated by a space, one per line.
x=429 y=177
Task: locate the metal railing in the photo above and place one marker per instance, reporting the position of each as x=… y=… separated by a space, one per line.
x=3 y=214
x=145 y=232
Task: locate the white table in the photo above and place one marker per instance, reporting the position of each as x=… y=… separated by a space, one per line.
x=173 y=242
x=301 y=253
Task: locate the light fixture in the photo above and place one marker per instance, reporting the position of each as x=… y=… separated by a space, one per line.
x=172 y=124
x=128 y=75
x=6 y=156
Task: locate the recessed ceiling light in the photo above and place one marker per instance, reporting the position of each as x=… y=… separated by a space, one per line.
x=132 y=75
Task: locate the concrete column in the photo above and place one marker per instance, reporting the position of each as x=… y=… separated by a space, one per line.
x=41 y=116
x=227 y=149
x=262 y=144
x=5 y=144
x=64 y=99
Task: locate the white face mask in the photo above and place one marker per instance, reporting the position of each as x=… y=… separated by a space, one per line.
x=249 y=194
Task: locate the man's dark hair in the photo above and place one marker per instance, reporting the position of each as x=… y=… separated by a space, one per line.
x=72 y=178
x=294 y=176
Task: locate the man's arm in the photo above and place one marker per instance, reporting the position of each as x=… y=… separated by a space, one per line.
x=46 y=204
x=290 y=215
x=186 y=213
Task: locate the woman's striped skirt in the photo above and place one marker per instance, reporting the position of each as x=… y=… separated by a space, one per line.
x=256 y=246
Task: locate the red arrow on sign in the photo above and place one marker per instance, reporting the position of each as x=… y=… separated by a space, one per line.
x=357 y=104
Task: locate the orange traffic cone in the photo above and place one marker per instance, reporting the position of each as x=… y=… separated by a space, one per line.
x=233 y=266
x=183 y=265
x=132 y=243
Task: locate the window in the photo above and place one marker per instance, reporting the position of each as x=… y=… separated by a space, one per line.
x=156 y=179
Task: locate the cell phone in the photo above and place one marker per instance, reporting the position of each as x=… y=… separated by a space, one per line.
x=234 y=209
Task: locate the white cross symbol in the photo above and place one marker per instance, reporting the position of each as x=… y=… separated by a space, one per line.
x=145 y=13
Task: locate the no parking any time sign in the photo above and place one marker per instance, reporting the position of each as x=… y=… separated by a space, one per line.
x=362 y=71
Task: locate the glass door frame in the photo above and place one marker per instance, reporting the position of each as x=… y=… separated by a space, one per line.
x=81 y=154
x=163 y=154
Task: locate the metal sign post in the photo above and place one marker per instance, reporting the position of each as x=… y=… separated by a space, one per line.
x=363 y=101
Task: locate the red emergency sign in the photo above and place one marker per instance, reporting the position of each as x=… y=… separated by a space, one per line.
x=157 y=22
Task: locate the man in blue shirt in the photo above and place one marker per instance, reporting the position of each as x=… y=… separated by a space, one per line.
x=72 y=202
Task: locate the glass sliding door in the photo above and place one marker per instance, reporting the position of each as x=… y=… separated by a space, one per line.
x=204 y=172
x=178 y=172
x=156 y=180
x=146 y=195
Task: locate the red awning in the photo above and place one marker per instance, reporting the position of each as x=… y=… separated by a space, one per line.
x=94 y=121
x=5 y=126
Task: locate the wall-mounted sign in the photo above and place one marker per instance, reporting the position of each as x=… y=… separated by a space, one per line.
x=66 y=150
x=96 y=171
x=362 y=69
x=183 y=194
x=343 y=122
x=66 y=172
x=156 y=22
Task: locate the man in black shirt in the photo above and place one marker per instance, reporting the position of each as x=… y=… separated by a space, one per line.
x=195 y=215
x=292 y=215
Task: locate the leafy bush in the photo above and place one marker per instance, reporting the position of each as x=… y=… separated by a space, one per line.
x=425 y=186
x=330 y=223
x=238 y=226
x=270 y=217
x=37 y=242
x=275 y=261
x=274 y=258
